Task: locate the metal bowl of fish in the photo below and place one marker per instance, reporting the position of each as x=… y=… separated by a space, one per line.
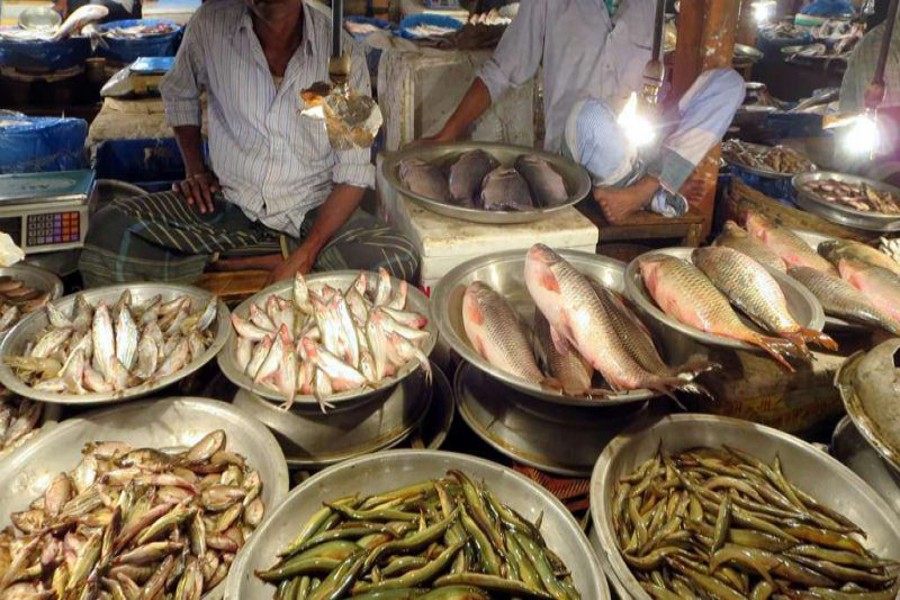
x=22 y=419
x=504 y=273
x=141 y=337
x=275 y=332
x=767 y=161
x=23 y=290
x=311 y=439
x=803 y=307
x=529 y=430
x=487 y=183
x=849 y=200
x=186 y=465
x=765 y=502
x=411 y=474
x=850 y=447
x=867 y=383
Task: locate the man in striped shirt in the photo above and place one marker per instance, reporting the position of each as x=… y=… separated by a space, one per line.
x=274 y=194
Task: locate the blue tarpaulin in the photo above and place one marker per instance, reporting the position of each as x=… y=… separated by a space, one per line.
x=41 y=144
x=37 y=55
x=828 y=8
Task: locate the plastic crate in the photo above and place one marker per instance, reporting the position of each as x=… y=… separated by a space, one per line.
x=44 y=56
x=777 y=188
x=152 y=164
x=129 y=50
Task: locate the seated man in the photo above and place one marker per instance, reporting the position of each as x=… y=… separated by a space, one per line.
x=626 y=180
x=276 y=195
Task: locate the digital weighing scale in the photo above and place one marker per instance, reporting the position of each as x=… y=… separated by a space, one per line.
x=46 y=212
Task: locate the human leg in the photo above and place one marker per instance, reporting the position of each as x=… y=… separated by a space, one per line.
x=158 y=238
x=366 y=243
x=704 y=114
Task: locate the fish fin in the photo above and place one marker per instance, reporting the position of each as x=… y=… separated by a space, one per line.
x=559 y=342
x=799 y=340
x=689 y=371
x=695 y=388
x=778 y=348
x=820 y=339
x=551 y=384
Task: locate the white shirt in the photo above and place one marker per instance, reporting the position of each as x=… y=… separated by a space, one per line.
x=584 y=53
x=270 y=161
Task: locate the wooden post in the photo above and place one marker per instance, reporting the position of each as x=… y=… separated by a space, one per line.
x=688 y=57
x=746 y=33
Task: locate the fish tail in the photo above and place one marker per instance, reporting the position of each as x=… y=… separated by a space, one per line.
x=697 y=389
x=799 y=341
x=818 y=338
x=688 y=371
x=779 y=348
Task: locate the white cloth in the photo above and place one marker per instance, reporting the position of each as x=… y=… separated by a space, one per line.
x=584 y=52
x=273 y=163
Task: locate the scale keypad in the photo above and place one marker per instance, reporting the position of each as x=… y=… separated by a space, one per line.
x=53 y=228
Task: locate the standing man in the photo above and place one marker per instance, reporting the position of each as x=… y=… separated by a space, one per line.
x=274 y=195
x=593 y=54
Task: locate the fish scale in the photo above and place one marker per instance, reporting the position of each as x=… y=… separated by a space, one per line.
x=493 y=328
x=682 y=291
x=841 y=299
x=734 y=237
x=572 y=307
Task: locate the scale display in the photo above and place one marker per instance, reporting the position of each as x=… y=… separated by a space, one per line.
x=46 y=212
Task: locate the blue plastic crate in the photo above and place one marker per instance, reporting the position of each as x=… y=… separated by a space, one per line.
x=44 y=56
x=777 y=188
x=42 y=144
x=129 y=50
x=153 y=164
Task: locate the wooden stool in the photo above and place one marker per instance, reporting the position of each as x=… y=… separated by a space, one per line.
x=233 y=287
x=645 y=227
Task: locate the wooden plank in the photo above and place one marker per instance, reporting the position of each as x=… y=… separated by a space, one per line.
x=645 y=225
x=233 y=286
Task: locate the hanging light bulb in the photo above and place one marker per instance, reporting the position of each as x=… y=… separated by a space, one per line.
x=860 y=136
x=634 y=122
x=763 y=11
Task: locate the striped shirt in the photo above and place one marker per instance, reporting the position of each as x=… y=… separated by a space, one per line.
x=584 y=51
x=271 y=162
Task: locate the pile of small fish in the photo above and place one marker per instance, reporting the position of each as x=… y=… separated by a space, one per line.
x=17 y=300
x=841 y=34
x=861 y=196
x=139 y=31
x=18 y=420
x=442 y=539
x=712 y=523
x=477 y=180
x=868 y=292
x=134 y=523
x=776 y=159
x=427 y=30
x=327 y=341
x=101 y=349
x=491 y=18
x=700 y=295
x=608 y=336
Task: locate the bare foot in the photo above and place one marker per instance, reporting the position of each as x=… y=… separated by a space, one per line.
x=618 y=204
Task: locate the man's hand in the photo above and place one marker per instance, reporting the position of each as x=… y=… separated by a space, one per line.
x=301 y=261
x=198 y=190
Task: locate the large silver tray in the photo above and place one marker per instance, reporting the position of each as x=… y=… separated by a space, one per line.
x=844 y=381
x=577 y=180
x=415 y=300
x=804 y=307
x=505 y=272
x=28 y=328
x=765 y=172
x=173 y=423
x=529 y=430
x=851 y=448
x=396 y=468
x=844 y=215
x=316 y=440
x=810 y=469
